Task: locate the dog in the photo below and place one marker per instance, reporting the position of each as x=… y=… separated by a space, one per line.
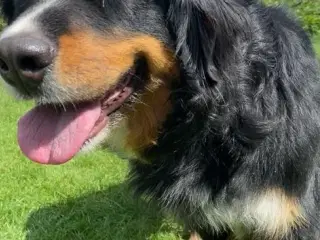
x=215 y=103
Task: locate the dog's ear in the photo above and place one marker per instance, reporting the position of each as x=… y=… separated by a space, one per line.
x=205 y=32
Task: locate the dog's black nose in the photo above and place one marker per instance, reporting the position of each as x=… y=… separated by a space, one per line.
x=23 y=59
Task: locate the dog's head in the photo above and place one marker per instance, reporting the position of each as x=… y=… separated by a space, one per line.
x=104 y=70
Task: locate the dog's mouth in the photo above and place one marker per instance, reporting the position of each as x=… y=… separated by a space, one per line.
x=51 y=134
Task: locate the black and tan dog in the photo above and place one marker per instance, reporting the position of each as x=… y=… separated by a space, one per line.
x=215 y=101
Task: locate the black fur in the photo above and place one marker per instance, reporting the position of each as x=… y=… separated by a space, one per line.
x=245 y=112
x=246 y=115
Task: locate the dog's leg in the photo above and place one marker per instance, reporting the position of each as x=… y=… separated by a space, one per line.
x=192 y=232
x=195 y=236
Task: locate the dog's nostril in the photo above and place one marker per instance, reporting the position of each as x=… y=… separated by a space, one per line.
x=3 y=66
x=32 y=64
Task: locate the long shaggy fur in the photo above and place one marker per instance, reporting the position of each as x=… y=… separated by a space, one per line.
x=246 y=114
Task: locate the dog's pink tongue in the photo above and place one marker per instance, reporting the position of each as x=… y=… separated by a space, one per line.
x=48 y=136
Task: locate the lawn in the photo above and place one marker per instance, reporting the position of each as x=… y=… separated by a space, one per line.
x=316 y=42
x=86 y=199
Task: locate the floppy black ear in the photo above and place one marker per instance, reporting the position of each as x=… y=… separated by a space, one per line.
x=205 y=32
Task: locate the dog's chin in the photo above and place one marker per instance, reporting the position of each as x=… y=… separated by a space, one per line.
x=112 y=138
x=108 y=136
x=96 y=141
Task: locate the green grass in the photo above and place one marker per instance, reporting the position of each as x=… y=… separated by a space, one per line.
x=86 y=199
x=316 y=42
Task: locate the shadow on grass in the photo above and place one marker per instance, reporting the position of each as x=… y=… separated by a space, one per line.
x=109 y=214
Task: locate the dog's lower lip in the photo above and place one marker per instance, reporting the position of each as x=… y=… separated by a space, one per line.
x=100 y=125
x=111 y=102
